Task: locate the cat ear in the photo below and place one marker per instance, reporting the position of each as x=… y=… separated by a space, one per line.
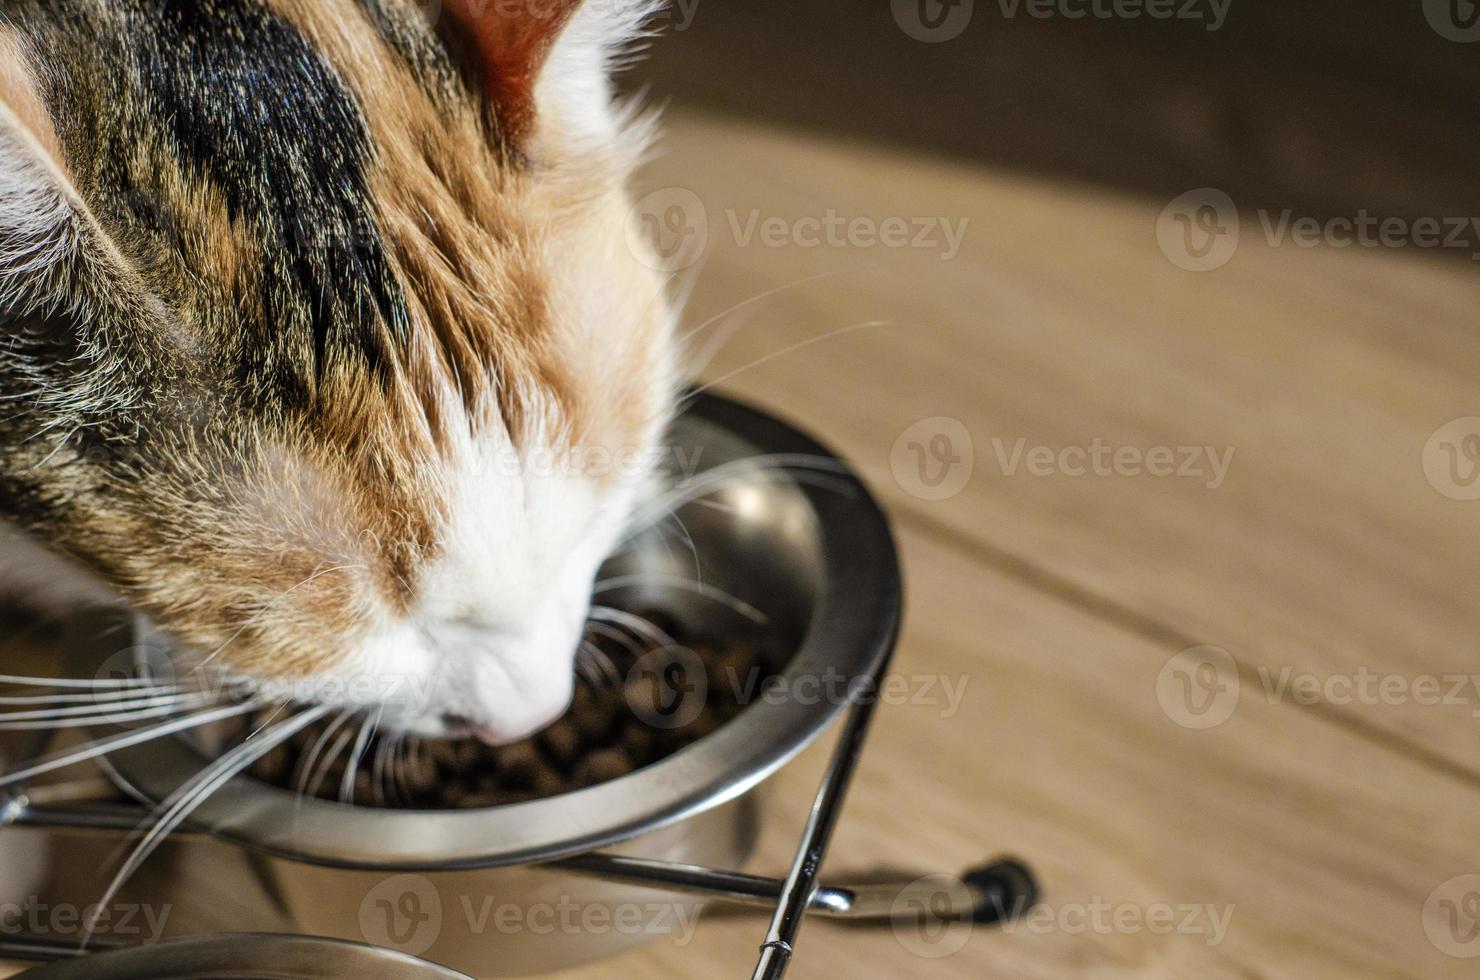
x=546 y=63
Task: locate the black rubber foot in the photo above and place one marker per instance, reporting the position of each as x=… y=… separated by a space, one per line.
x=1008 y=890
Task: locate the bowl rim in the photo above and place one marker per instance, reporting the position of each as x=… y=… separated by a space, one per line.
x=853 y=629
x=280 y=954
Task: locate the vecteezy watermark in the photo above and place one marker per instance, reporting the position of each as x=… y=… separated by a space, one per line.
x=1203 y=920
x=1451 y=459
x=832 y=686
x=1451 y=917
x=1212 y=14
x=933 y=458
x=669 y=229
x=1199 y=687
x=833 y=230
x=133 y=922
x=1210 y=464
x=403 y=912
x=593 y=462
x=1200 y=230
x=921 y=919
x=1370 y=688
x=923 y=924
x=934 y=21
x=409 y=913
x=1454 y=20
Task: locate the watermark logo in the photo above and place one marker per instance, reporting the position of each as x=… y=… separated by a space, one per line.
x=832 y=229
x=668 y=687
x=1199 y=231
x=933 y=458
x=138 y=923
x=1451 y=917
x=1212 y=13
x=403 y=912
x=922 y=920
x=1199 y=687
x=941 y=692
x=1454 y=20
x=669 y=229
x=932 y=21
x=1102 y=917
x=1451 y=459
x=1208 y=464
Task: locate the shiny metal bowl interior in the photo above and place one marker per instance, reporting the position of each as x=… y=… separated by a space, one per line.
x=245 y=956
x=815 y=556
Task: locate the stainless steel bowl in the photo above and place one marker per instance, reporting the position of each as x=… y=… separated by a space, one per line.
x=816 y=557
x=245 y=957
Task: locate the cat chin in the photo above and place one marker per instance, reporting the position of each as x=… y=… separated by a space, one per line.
x=37 y=579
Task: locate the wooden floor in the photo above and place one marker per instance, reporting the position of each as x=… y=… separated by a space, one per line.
x=1180 y=830
x=1327 y=830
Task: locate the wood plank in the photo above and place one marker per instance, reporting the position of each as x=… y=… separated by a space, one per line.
x=1324 y=371
x=1320 y=847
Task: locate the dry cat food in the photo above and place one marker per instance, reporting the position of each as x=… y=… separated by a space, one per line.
x=636 y=706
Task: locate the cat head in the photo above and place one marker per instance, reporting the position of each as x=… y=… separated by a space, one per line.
x=322 y=338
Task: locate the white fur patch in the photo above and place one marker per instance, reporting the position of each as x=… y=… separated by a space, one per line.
x=574 y=92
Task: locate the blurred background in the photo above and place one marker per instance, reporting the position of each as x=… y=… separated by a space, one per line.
x=1322 y=106
x=1238 y=696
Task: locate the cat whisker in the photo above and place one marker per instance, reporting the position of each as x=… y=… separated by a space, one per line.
x=258 y=730
x=77 y=682
x=710 y=481
x=601 y=673
x=113 y=718
x=327 y=762
x=82 y=710
x=767 y=294
x=699 y=588
x=103 y=746
x=307 y=760
x=607 y=631
x=644 y=628
x=793 y=348
x=196 y=791
x=347 y=784
x=100 y=698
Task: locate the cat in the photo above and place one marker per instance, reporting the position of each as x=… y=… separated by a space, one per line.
x=320 y=328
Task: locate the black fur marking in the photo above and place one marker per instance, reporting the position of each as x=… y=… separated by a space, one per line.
x=254 y=109
x=232 y=95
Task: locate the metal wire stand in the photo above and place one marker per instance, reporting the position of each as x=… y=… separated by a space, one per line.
x=991 y=893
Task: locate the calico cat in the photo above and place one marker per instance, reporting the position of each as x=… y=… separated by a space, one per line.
x=320 y=328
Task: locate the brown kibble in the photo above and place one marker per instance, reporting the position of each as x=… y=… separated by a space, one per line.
x=273 y=767
x=735 y=672
x=707 y=723
x=594 y=716
x=639 y=741
x=601 y=766
x=562 y=742
x=481 y=800
x=606 y=734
